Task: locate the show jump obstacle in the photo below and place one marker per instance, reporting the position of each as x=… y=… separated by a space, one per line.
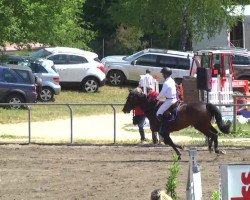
x=234 y=181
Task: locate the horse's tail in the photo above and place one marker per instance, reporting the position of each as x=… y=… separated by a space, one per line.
x=215 y=112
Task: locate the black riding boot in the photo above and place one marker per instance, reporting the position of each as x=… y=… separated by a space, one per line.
x=162 y=129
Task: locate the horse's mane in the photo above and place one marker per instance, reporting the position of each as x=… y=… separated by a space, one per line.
x=148 y=103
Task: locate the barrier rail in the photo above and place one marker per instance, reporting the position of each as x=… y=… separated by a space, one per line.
x=112 y=105
x=69 y=105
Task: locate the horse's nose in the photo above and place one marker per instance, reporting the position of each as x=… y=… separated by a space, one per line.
x=124 y=110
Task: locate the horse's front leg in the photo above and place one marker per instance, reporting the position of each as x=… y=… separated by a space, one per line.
x=210 y=143
x=154 y=137
x=169 y=141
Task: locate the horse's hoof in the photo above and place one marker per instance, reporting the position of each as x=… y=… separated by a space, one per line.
x=223 y=152
x=220 y=151
x=210 y=150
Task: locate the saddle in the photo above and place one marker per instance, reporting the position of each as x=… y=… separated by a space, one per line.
x=171 y=113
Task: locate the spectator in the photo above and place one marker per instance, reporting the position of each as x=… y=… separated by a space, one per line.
x=147 y=81
x=139 y=120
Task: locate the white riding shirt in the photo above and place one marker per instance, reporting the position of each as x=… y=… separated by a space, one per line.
x=168 y=91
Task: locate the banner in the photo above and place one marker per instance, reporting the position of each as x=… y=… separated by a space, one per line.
x=235 y=182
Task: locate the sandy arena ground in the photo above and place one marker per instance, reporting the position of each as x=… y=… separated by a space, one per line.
x=97 y=172
x=101 y=172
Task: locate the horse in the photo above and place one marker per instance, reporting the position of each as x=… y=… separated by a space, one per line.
x=198 y=115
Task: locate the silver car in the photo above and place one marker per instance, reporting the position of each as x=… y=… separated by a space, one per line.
x=45 y=70
x=119 y=69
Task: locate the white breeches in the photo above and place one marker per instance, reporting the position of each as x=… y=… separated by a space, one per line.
x=165 y=106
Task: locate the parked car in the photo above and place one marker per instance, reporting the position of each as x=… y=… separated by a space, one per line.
x=17 y=85
x=241 y=63
x=120 y=69
x=45 y=70
x=76 y=67
x=12 y=59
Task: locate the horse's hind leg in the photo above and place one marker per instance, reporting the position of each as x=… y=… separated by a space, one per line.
x=213 y=137
x=210 y=141
x=169 y=141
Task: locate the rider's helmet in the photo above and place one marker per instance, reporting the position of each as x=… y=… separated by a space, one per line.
x=166 y=70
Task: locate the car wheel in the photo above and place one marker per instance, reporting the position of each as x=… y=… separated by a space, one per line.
x=15 y=98
x=46 y=94
x=90 y=85
x=116 y=77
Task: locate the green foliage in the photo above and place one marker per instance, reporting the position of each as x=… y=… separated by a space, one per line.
x=172 y=181
x=243 y=130
x=215 y=195
x=48 y=22
x=129 y=39
x=95 y=13
x=168 y=19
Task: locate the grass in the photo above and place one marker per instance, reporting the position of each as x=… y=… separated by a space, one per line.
x=106 y=94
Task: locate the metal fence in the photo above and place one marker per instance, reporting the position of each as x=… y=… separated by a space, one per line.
x=112 y=105
x=69 y=106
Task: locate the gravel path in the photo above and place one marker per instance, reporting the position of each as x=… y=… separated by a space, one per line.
x=98 y=127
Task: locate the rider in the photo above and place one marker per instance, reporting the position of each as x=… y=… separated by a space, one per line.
x=168 y=91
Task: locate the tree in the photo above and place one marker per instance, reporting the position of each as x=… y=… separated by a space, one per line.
x=48 y=22
x=96 y=14
x=176 y=20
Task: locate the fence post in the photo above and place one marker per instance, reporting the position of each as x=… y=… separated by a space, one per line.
x=71 y=123
x=193 y=189
x=114 y=122
x=234 y=115
x=29 y=117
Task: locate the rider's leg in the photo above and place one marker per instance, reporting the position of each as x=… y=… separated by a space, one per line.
x=160 y=116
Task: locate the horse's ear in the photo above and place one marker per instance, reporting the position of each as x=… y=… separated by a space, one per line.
x=130 y=90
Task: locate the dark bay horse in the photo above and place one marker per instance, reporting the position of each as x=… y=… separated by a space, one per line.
x=198 y=115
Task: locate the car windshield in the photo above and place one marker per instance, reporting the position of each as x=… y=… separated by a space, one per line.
x=133 y=56
x=42 y=53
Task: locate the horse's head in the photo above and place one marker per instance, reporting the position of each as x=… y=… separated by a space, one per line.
x=134 y=99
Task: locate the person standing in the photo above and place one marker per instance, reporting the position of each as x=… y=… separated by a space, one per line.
x=139 y=120
x=168 y=92
x=147 y=81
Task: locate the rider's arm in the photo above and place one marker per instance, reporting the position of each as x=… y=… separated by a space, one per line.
x=163 y=92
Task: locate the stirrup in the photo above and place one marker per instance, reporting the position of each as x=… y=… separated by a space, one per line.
x=160 y=118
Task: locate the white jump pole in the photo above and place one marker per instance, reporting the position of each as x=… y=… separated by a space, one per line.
x=194 y=189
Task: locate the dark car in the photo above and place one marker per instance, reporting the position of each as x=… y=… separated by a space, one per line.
x=46 y=77
x=17 y=85
x=12 y=59
x=241 y=63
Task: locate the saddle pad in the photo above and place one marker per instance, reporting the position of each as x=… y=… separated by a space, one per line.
x=172 y=116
